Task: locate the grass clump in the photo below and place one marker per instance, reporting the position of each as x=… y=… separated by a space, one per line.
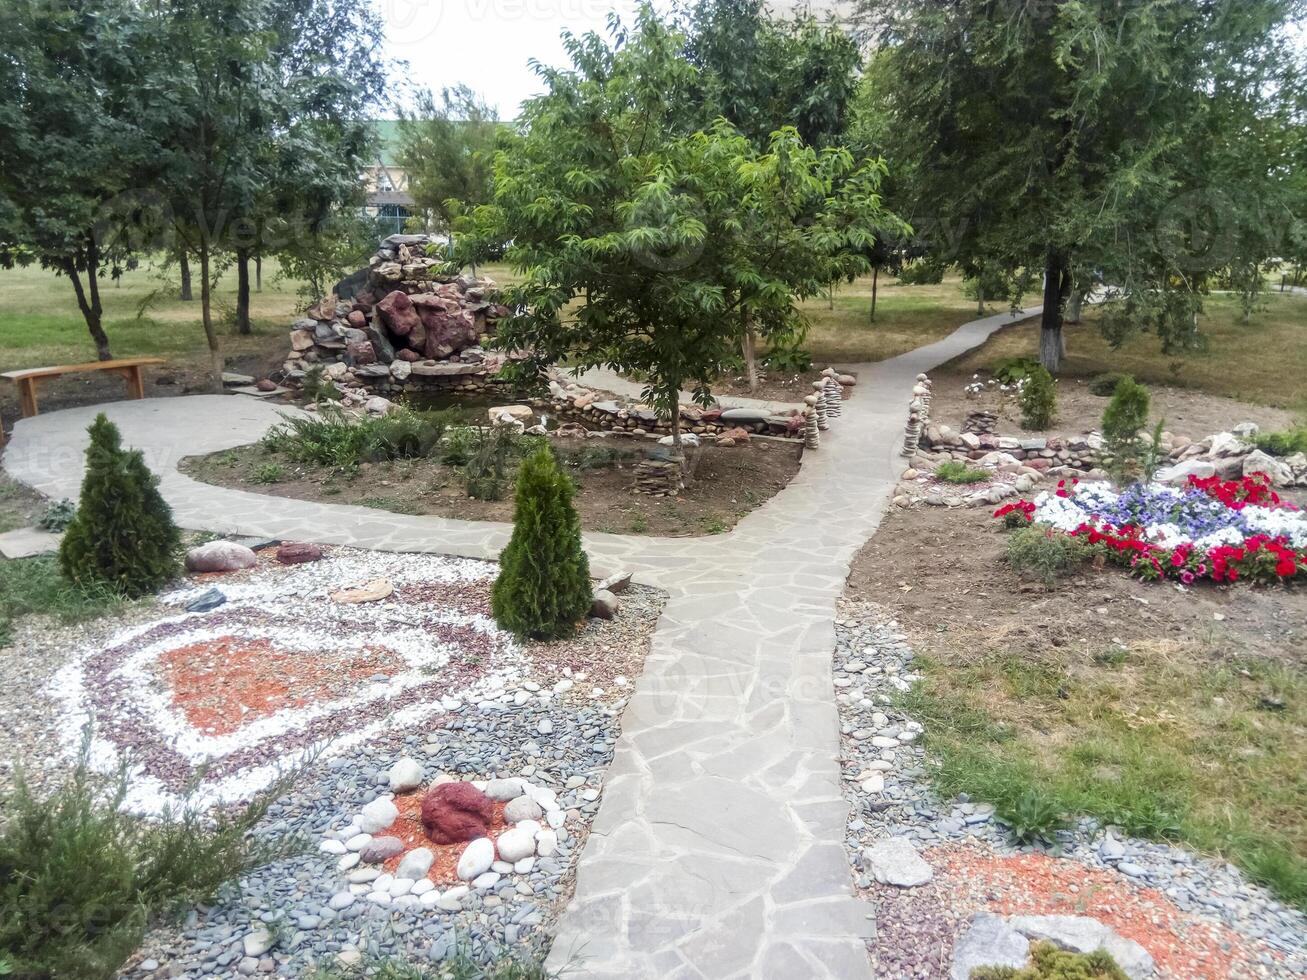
x=1283 y=443
x=1103 y=385
x=269 y=473
x=1047 y=962
x=1038 y=399
x=460 y=965
x=543 y=589
x=81 y=881
x=1159 y=738
x=122 y=538
x=36 y=586
x=956 y=471
x=334 y=438
x=1045 y=554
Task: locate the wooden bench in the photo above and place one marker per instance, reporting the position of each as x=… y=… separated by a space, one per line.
x=128 y=367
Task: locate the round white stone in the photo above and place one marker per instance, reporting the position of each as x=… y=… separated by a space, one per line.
x=406 y=774
x=516 y=844
x=476 y=858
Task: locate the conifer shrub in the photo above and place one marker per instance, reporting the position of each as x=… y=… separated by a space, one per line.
x=1047 y=962
x=1123 y=419
x=543 y=589
x=122 y=538
x=1038 y=399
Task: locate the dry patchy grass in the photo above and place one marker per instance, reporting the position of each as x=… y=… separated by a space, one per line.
x=1263 y=360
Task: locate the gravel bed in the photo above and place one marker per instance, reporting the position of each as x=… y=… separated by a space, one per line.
x=294 y=898
x=886 y=782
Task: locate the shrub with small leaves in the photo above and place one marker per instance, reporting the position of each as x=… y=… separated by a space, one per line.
x=1103 y=385
x=122 y=538
x=543 y=590
x=1038 y=399
x=1047 y=962
x=269 y=473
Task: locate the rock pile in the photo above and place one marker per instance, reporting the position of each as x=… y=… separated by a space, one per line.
x=659 y=477
x=403 y=320
x=981 y=423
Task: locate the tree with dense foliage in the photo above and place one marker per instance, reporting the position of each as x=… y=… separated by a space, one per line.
x=72 y=141
x=447 y=150
x=122 y=538
x=680 y=244
x=1067 y=134
x=543 y=590
x=1124 y=420
x=763 y=73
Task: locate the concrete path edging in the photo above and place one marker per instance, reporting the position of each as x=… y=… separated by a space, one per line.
x=717 y=851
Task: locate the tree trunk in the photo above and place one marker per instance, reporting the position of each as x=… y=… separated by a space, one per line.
x=830 y=296
x=1073 y=306
x=980 y=298
x=1057 y=285
x=749 y=347
x=92 y=312
x=184 y=268
x=243 y=293
x=875 y=277
x=258 y=273
x=206 y=316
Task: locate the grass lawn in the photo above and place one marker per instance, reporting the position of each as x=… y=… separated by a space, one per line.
x=1263 y=360
x=906 y=317
x=1166 y=739
x=40 y=323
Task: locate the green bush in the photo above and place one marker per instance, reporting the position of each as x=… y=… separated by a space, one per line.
x=317 y=387
x=1284 y=443
x=1038 y=399
x=483 y=474
x=1041 y=553
x=1014 y=369
x=1123 y=419
x=1047 y=962
x=543 y=589
x=956 y=471
x=80 y=880
x=123 y=538
x=1103 y=385
x=458 y=445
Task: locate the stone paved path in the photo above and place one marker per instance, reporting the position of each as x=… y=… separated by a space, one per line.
x=717 y=851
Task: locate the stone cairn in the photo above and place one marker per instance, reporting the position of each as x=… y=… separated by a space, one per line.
x=981 y=423
x=918 y=415
x=834 y=393
x=659 y=477
x=811 y=433
x=819 y=392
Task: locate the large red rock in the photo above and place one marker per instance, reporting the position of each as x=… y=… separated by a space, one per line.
x=398 y=313
x=448 y=332
x=361 y=352
x=358 y=319
x=296 y=553
x=456 y=812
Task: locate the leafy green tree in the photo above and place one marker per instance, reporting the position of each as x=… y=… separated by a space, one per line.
x=543 y=590
x=122 y=537
x=1069 y=133
x=447 y=150
x=72 y=145
x=1123 y=420
x=764 y=73
x=679 y=245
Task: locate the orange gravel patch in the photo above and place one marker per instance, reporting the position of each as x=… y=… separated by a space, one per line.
x=408 y=828
x=1184 y=946
x=223 y=684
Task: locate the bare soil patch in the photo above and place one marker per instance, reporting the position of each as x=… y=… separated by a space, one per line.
x=726 y=484
x=1195 y=414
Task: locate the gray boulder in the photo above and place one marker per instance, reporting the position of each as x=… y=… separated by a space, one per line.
x=988 y=941
x=220 y=556
x=895 y=861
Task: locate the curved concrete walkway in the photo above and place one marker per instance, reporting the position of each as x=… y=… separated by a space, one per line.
x=717 y=851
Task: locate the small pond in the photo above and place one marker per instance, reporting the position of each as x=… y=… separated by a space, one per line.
x=468 y=406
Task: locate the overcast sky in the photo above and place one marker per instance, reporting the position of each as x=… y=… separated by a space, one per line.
x=487 y=43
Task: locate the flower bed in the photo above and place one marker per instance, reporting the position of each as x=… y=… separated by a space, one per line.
x=1208 y=529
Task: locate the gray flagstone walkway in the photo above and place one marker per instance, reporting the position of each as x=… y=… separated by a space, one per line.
x=716 y=852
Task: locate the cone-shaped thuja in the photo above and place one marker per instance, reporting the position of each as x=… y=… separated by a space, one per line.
x=543 y=589
x=123 y=537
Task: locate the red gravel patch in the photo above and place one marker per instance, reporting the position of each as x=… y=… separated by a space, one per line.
x=1184 y=946
x=408 y=828
x=225 y=683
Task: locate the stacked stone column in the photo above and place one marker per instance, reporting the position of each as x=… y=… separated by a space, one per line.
x=834 y=393
x=811 y=435
x=918 y=415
